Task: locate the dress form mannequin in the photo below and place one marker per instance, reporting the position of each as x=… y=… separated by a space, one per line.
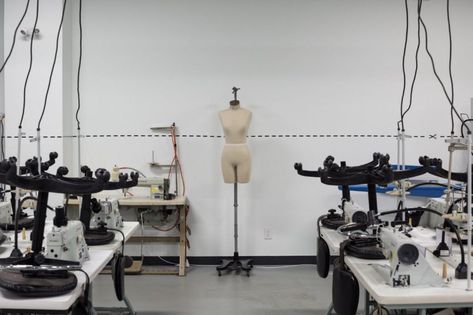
x=236 y=168
x=236 y=159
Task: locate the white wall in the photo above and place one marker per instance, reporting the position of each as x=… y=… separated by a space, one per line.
x=305 y=68
x=17 y=68
x=15 y=73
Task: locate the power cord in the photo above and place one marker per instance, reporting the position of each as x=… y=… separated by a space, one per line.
x=450 y=64
x=450 y=99
x=176 y=160
x=17 y=196
x=419 y=8
x=142 y=234
x=86 y=289
x=123 y=238
x=30 y=65
x=14 y=36
x=53 y=65
x=404 y=63
x=79 y=65
x=2 y=139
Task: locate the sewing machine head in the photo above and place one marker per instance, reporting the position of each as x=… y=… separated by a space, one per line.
x=107 y=214
x=6 y=213
x=66 y=240
x=407 y=262
x=354 y=212
x=158 y=187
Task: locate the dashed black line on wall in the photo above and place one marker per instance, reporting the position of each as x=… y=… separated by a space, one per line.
x=430 y=137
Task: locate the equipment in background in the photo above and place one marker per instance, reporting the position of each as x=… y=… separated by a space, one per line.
x=444 y=246
x=7 y=217
x=354 y=212
x=176 y=160
x=364 y=246
x=164 y=218
x=32 y=274
x=6 y=214
x=408 y=265
x=158 y=187
x=99 y=234
x=66 y=239
x=345 y=287
x=377 y=171
x=108 y=215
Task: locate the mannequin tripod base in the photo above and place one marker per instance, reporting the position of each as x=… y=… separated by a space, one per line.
x=236 y=264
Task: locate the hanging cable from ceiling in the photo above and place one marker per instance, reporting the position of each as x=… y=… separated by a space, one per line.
x=14 y=36
x=400 y=123
x=20 y=133
x=38 y=129
x=450 y=99
x=450 y=64
x=401 y=136
x=78 y=88
x=29 y=67
x=416 y=68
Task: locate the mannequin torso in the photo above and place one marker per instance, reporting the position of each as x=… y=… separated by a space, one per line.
x=235 y=122
x=236 y=159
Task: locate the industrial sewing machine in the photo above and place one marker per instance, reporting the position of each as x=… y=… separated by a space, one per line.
x=2 y=236
x=107 y=214
x=66 y=240
x=354 y=212
x=7 y=218
x=6 y=213
x=407 y=263
x=158 y=187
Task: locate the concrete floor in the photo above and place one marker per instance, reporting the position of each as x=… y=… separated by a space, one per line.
x=294 y=290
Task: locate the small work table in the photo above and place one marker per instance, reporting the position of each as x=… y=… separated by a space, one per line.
x=180 y=203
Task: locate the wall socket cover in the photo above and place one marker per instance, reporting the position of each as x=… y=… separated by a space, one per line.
x=268 y=233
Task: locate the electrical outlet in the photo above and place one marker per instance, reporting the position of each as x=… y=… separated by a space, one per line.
x=268 y=233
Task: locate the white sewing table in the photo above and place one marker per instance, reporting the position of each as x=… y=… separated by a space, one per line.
x=129 y=228
x=333 y=240
x=371 y=277
x=99 y=258
x=15 y=303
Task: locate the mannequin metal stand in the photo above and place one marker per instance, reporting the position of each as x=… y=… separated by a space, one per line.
x=235 y=264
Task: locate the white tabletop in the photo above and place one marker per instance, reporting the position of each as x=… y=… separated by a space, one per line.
x=137 y=201
x=374 y=280
x=129 y=228
x=98 y=260
x=333 y=239
x=99 y=257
